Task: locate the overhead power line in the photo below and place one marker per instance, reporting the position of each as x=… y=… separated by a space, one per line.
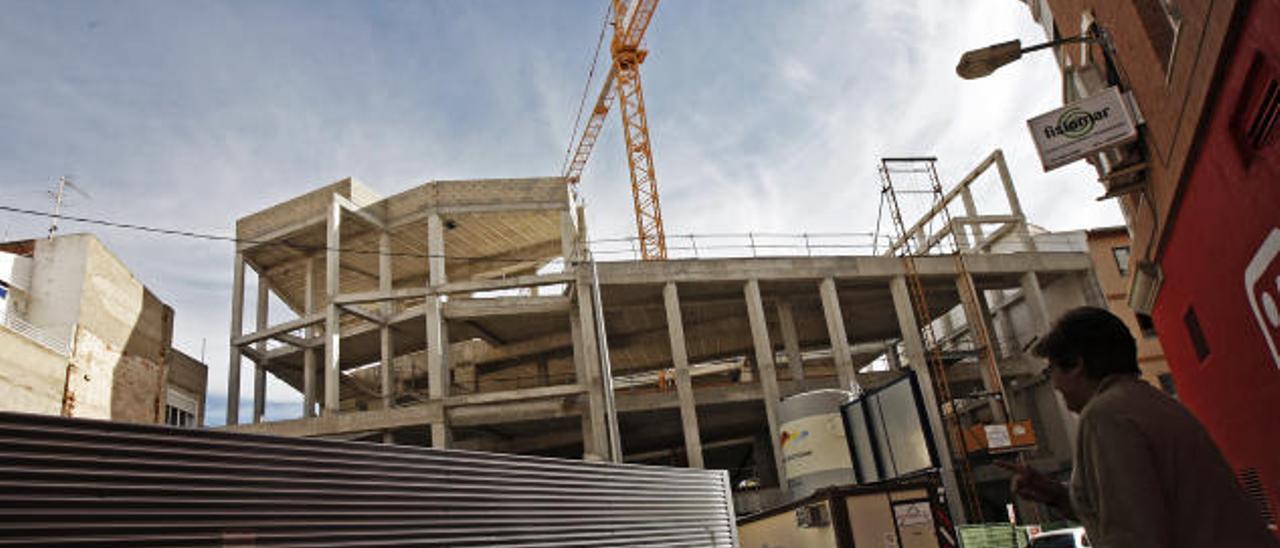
x=233 y=239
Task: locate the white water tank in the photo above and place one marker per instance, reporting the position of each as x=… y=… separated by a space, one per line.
x=815 y=453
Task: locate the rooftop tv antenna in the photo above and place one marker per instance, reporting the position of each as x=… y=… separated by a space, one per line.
x=59 y=195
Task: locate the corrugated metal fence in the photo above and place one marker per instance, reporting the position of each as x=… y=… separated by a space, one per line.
x=73 y=481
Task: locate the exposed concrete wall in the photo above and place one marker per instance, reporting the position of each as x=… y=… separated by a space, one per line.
x=31 y=376
x=57 y=277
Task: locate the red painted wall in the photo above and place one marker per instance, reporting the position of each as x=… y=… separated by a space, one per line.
x=1229 y=207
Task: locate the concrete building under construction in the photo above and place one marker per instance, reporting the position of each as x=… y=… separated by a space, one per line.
x=471 y=314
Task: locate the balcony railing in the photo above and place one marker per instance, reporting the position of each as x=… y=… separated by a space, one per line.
x=55 y=339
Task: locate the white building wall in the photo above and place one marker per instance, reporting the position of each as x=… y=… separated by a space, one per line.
x=57 y=280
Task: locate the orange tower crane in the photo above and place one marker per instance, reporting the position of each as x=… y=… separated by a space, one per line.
x=630 y=20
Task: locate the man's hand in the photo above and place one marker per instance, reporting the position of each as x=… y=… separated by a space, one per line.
x=1030 y=484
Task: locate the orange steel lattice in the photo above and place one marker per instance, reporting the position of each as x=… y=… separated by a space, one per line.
x=911 y=248
x=630 y=21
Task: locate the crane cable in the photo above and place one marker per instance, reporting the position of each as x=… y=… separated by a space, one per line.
x=586 y=90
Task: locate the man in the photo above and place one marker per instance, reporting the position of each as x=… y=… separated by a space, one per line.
x=1146 y=472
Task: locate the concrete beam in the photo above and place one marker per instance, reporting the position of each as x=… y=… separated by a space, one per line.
x=541 y=392
x=839 y=268
x=458 y=309
x=359 y=213
x=355 y=310
x=276 y=330
x=355 y=421
x=938 y=207
x=493 y=207
x=366 y=297
x=543 y=403
x=473 y=286
x=510 y=262
x=275 y=236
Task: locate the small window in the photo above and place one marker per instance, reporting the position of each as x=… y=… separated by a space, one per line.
x=179 y=417
x=1122 y=259
x=1166 y=384
x=1196 y=334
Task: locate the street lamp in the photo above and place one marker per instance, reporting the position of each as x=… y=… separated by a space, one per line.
x=981 y=62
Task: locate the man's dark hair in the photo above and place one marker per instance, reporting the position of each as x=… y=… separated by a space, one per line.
x=1094 y=335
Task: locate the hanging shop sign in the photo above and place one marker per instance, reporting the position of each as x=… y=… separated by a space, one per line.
x=1099 y=121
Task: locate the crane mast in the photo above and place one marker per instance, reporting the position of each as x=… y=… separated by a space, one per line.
x=630 y=21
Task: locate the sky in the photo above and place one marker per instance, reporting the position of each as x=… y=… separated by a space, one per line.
x=765 y=117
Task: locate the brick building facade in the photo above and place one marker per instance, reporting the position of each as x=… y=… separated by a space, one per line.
x=1200 y=197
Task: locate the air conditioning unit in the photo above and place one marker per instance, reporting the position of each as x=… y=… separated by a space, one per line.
x=1144 y=286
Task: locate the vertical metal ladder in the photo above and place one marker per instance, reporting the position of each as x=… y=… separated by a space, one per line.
x=947 y=244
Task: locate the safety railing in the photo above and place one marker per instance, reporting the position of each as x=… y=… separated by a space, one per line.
x=55 y=339
x=819 y=244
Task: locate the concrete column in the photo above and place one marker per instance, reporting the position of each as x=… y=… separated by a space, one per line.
x=910 y=330
x=684 y=385
x=1015 y=207
x=989 y=383
x=1001 y=317
x=836 y=332
x=309 y=353
x=790 y=340
x=260 y=368
x=385 y=277
x=971 y=210
x=1034 y=297
x=595 y=429
x=606 y=372
x=384 y=285
x=568 y=239
x=585 y=367
x=332 y=329
x=437 y=334
x=237 y=329
x=582 y=366
x=768 y=376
